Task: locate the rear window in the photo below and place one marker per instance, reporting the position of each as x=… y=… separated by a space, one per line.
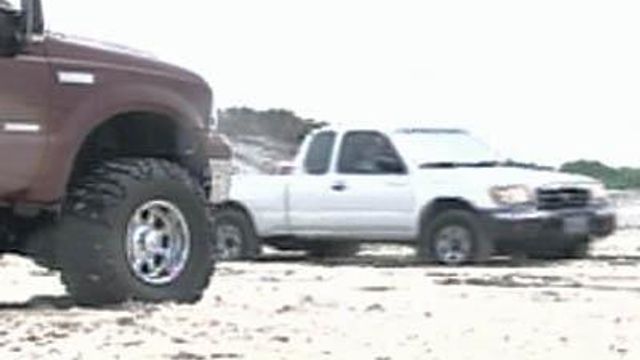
x=318 y=156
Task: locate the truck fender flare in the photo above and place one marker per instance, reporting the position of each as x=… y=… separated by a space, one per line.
x=440 y=204
x=67 y=141
x=236 y=205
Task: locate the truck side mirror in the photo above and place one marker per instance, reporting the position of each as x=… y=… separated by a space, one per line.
x=389 y=164
x=33 y=19
x=9 y=32
x=285 y=168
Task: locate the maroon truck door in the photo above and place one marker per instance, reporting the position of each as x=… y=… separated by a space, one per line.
x=25 y=82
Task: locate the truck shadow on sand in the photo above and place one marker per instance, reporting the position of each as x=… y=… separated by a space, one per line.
x=402 y=261
x=520 y=273
x=39 y=303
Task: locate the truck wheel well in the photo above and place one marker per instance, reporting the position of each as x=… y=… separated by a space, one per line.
x=439 y=205
x=233 y=205
x=137 y=134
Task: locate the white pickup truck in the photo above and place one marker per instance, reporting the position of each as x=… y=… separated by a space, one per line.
x=442 y=190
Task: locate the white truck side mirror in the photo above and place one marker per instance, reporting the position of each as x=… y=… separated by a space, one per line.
x=285 y=168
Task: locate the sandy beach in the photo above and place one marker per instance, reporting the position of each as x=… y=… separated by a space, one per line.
x=378 y=305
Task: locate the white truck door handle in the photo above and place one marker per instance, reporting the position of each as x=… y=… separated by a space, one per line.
x=339 y=186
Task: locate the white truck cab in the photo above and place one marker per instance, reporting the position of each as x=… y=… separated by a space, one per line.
x=441 y=189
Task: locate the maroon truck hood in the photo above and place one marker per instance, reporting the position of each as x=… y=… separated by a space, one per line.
x=115 y=56
x=116 y=65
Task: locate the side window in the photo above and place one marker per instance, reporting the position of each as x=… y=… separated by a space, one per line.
x=368 y=152
x=318 y=158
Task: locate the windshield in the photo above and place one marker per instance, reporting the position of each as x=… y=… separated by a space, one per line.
x=423 y=147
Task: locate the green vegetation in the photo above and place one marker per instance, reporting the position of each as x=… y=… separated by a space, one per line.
x=283 y=126
x=615 y=178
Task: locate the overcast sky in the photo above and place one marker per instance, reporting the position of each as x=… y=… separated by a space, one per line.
x=543 y=80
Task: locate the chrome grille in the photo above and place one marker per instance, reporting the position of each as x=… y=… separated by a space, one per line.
x=562 y=198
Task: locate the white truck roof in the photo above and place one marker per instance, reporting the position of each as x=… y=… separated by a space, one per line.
x=391 y=128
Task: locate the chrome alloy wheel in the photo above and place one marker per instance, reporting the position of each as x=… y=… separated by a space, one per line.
x=158 y=242
x=453 y=244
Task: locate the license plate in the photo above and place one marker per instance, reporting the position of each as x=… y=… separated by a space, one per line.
x=576 y=225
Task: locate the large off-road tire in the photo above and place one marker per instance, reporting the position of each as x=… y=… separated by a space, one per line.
x=329 y=249
x=41 y=245
x=235 y=237
x=135 y=229
x=455 y=237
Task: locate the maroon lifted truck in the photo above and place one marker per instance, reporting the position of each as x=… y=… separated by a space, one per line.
x=106 y=165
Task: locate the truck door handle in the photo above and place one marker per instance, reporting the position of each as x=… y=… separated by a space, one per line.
x=339 y=186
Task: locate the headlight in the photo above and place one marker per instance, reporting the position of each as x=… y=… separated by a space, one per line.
x=599 y=192
x=512 y=195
